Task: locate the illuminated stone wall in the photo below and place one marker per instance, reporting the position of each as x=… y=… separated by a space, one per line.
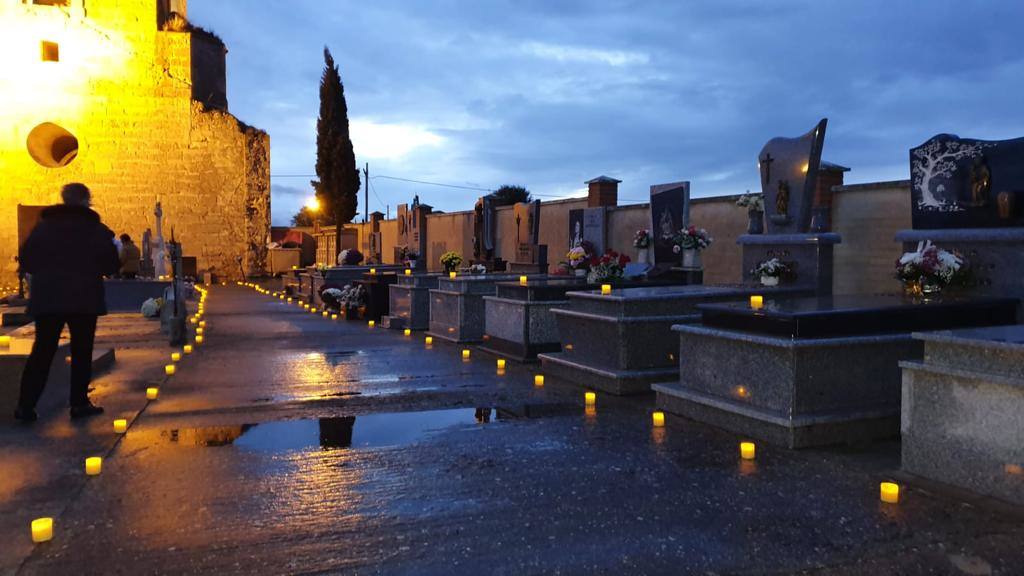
x=123 y=89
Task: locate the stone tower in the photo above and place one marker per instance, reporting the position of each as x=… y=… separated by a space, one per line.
x=129 y=98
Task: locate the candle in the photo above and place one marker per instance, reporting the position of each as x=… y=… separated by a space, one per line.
x=465 y=354
x=289 y=300
x=175 y=356
x=334 y=316
x=408 y=272
x=313 y=310
x=188 y=348
x=606 y=289
x=120 y=425
x=199 y=339
x=373 y=270
x=152 y=393
x=522 y=280
x=169 y=369
x=501 y=363
x=407 y=332
x=538 y=379
x=93 y=466
x=747 y=450
x=889 y=492
x=658 y=418
x=326 y=314
x=202 y=324
x=590 y=398
x=42 y=530
x=756 y=301
x=428 y=340
x=5 y=341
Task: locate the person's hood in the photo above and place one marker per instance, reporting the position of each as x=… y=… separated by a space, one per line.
x=58 y=211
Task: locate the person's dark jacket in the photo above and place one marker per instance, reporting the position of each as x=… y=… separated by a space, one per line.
x=68 y=254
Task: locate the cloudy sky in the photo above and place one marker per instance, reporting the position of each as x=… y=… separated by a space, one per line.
x=548 y=93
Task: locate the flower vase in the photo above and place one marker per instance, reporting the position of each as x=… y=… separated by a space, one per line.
x=912 y=288
x=769 y=280
x=755 y=225
x=643 y=255
x=930 y=289
x=691 y=259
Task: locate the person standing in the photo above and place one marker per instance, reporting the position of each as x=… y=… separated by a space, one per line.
x=131 y=256
x=66 y=256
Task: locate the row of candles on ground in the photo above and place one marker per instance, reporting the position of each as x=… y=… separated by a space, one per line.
x=42 y=528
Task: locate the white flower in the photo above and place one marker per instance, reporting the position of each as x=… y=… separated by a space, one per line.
x=676 y=248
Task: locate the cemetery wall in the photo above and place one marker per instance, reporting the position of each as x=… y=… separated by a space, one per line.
x=868 y=216
x=117 y=105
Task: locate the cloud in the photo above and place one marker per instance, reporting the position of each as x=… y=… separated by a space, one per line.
x=564 y=53
x=550 y=94
x=374 y=140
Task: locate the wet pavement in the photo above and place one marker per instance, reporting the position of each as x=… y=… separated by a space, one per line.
x=290 y=443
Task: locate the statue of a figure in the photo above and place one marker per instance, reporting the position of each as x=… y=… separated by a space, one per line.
x=782 y=199
x=665 y=225
x=159 y=250
x=981 y=181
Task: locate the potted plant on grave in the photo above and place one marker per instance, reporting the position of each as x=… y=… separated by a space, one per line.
x=451 y=261
x=607 y=268
x=690 y=242
x=331 y=296
x=353 y=301
x=929 y=270
x=642 y=243
x=577 y=260
x=754 y=203
x=770 y=271
x=350 y=257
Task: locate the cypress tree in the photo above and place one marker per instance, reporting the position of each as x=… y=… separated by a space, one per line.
x=337 y=184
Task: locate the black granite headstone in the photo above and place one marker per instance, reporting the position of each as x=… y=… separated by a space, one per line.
x=966 y=183
x=789 y=172
x=670 y=211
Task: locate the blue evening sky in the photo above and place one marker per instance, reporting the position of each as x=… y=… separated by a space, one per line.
x=548 y=94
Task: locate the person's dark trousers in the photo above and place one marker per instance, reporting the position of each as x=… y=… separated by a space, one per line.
x=37 y=369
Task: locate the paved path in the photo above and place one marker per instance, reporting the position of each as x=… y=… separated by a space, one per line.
x=296 y=444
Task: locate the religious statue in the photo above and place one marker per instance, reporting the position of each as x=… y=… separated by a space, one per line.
x=782 y=199
x=159 y=247
x=665 y=225
x=981 y=181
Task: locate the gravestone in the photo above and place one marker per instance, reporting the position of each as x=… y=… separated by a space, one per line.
x=589 y=225
x=789 y=171
x=412 y=231
x=967 y=183
x=967 y=196
x=670 y=212
x=530 y=255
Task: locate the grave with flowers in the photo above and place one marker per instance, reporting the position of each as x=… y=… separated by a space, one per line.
x=827 y=369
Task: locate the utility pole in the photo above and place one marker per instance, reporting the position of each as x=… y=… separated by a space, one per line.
x=366 y=193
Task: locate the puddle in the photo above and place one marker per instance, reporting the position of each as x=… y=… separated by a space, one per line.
x=369 y=431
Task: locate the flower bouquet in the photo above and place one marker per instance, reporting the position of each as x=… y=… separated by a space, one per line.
x=690 y=241
x=930 y=269
x=642 y=238
x=770 y=271
x=331 y=295
x=607 y=268
x=478 y=269
x=752 y=202
x=451 y=261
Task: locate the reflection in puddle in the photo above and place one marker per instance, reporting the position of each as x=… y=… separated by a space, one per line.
x=369 y=431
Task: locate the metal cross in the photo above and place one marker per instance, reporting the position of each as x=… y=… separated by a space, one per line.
x=766 y=165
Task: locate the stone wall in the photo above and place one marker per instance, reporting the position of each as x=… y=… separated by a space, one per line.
x=866 y=215
x=123 y=90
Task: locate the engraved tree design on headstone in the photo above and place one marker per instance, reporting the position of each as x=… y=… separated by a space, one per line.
x=940 y=159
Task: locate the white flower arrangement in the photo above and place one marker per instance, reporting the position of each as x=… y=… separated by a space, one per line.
x=933 y=264
x=772 y=268
x=752 y=202
x=478 y=269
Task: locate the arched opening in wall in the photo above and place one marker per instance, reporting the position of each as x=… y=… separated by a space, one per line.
x=52 y=146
